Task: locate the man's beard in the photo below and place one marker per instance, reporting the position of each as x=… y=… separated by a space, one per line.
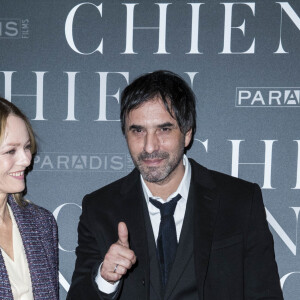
x=158 y=174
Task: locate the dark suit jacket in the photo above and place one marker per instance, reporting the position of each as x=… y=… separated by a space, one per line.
x=232 y=245
x=38 y=230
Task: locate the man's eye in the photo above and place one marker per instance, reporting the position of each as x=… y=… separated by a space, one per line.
x=166 y=129
x=137 y=130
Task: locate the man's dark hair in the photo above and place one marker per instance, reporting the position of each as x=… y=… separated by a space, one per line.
x=174 y=92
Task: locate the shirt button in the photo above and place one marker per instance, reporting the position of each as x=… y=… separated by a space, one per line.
x=143 y=281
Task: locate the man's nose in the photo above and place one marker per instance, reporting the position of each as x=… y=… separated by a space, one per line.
x=151 y=142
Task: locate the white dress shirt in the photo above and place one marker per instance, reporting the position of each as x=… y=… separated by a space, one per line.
x=154 y=213
x=183 y=190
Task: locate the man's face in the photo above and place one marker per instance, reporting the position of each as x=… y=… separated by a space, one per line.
x=155 y=141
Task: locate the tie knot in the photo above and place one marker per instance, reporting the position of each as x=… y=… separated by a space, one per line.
x=166 y=209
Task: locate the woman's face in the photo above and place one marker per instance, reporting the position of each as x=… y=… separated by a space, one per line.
x=15 y=156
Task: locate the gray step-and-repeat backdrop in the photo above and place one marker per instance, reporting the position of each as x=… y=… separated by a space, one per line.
x=65 y=63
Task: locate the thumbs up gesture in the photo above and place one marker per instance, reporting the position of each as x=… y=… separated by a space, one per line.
x=119 y=257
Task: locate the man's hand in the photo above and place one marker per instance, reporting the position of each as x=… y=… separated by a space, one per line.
x=119 y=257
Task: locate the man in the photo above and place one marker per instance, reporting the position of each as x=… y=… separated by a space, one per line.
x=171 y=229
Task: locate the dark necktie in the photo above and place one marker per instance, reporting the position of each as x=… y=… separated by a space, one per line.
x=167 y=238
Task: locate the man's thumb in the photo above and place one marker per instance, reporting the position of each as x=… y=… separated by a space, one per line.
x=123 y=234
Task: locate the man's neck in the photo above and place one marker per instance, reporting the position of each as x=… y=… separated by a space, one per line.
x=169 y=185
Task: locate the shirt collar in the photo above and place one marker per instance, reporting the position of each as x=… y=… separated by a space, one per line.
x=183 y=188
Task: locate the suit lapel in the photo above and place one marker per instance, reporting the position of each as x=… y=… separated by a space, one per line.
x=206 y=204
x=155 y=275
x=133 y=214
x=199 y=222
x=184 y=250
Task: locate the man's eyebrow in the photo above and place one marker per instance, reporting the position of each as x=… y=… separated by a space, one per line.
x=135 y=127
x=167 y=124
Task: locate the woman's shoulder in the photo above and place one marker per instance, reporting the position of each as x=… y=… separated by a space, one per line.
x=38 y=211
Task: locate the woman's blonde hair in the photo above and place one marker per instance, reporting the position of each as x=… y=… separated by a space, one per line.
x=6 y=109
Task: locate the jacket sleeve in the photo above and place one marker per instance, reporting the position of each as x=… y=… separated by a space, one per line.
x=89 y=258
x=261 y=277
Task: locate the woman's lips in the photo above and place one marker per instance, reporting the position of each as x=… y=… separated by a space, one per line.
x=17 y=175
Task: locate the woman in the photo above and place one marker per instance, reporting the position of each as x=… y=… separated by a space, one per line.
x=28 y=233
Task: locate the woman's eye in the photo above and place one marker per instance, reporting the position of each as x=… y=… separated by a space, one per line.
x=13 y=151
x=28 y=147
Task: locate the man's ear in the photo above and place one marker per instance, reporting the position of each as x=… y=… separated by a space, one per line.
x=188 y=137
